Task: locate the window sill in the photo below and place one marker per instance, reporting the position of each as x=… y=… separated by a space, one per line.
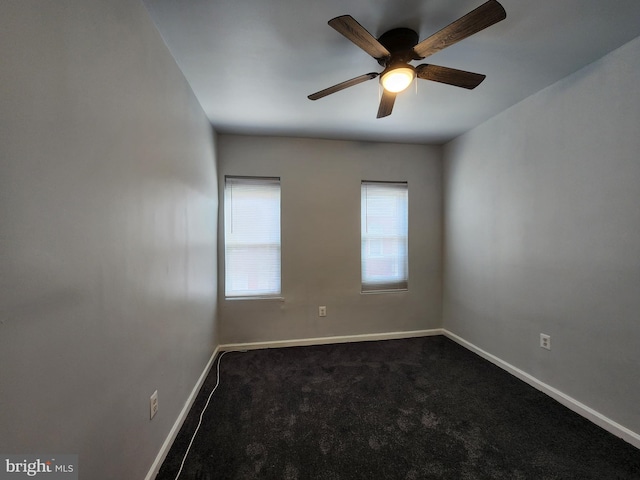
x=376 y=292
x=257 y=297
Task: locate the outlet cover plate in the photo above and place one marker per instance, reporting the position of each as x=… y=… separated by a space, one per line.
x=545 y=341
x=153 y=404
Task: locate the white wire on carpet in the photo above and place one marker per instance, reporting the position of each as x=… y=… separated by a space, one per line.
x=202 y=414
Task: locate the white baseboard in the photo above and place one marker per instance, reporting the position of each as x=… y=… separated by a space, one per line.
x=173 y=433
x=300 y=342
x=571 y=403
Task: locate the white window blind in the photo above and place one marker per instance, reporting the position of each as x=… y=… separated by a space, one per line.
x=384 y=232
x=252 y=236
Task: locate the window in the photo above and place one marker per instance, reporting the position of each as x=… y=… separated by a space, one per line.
x=384 y=232
x=252 y=236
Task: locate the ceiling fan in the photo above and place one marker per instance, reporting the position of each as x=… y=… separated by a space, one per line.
x=396 y=48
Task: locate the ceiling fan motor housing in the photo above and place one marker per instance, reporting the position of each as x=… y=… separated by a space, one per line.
x=399 y=42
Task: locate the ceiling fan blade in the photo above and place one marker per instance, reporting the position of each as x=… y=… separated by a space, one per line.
x=350 y=28
x=482 y=17
x=450 y=76
x=386 y=104
x=342 y=86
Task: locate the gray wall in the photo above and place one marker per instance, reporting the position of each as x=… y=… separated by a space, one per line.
x=543 y=235
x=320 y=219
x=108 y=230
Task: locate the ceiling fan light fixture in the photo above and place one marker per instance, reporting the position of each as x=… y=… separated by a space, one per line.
x=395 y=48
x=397 y=79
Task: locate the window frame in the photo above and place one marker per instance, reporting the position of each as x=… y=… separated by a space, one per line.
x=398 y=279
x=270 y=293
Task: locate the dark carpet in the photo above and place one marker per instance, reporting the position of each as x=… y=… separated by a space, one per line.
x=421 y=408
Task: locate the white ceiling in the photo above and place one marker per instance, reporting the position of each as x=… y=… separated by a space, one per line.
x=252 y=63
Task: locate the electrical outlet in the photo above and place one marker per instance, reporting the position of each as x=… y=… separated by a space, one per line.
x=545 y=341
x=153 y=403
x=322 y=311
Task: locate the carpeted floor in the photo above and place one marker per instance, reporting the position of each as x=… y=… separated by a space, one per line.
x=421 y=408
